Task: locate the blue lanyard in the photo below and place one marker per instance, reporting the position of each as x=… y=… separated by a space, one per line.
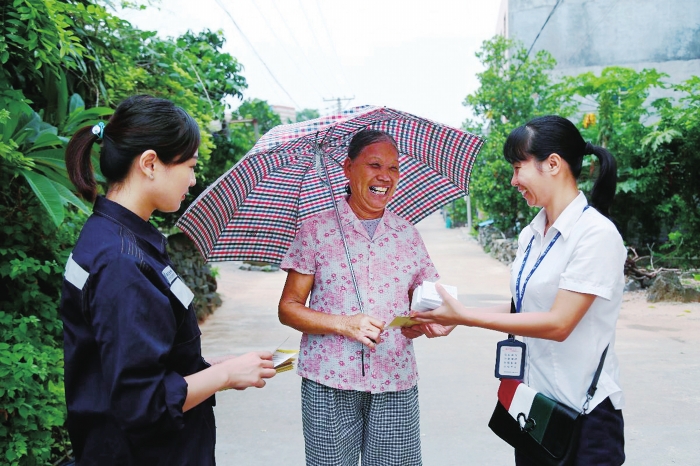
x=520 y=295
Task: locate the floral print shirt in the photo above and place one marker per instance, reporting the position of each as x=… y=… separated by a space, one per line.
x=386 y=267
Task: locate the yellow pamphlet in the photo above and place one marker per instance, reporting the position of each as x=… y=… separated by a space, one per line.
x=283 y=359
x=402 y=321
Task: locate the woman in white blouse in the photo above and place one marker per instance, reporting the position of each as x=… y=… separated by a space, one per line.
x=567 y=282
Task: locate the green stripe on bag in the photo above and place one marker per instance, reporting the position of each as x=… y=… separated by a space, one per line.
x=541 y=411
x=562 y=430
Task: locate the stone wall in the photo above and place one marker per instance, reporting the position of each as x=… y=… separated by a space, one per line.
x=667 y=286
x=664 y=286
x=196 y=273
x=497 y=245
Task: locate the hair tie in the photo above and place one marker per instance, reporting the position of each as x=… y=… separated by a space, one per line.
x=99 y=129
x=589 y=149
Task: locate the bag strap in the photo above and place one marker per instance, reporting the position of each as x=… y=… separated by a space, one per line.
x=512 y=311
x=594 y=384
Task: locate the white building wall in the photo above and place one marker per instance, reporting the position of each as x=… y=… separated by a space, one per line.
x=588 y=35
x=286 y=114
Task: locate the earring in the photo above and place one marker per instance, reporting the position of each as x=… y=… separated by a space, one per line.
x=150 y=176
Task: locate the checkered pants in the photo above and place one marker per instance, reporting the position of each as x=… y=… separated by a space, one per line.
x=340 y=426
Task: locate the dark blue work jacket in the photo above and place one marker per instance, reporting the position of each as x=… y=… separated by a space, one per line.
x=130 y=336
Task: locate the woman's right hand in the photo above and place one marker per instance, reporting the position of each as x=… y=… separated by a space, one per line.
x=363 y=328
x=249 y=370
x=450 y=313
x=241 y=372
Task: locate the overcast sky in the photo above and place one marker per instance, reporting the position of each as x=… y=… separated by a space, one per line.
x=410 y=55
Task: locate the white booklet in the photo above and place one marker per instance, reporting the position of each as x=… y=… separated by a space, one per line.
x=425 y=298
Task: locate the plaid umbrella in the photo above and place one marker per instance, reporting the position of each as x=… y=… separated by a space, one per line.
x=254 y=210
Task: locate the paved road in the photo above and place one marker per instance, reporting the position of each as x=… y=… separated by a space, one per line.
x=658 y=350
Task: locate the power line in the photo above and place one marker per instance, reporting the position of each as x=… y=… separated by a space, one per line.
x=272 y=30
x=542 y=28
x=256 y=52
x=303 y=10
x=330 y=39
x=299 y=47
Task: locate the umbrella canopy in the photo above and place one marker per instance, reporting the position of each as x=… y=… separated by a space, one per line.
x=254 y=210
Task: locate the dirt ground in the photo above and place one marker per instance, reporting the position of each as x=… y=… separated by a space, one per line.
x=677 y=321
x=657 y=344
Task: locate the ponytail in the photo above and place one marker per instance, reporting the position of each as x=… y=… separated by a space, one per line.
x=79 y=162
x=603 y=191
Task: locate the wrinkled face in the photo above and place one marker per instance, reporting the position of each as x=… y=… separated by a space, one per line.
x=373 y=176
x=530 y=181
x=176 y=184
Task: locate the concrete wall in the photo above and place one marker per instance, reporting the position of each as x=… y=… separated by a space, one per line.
x=588 y=35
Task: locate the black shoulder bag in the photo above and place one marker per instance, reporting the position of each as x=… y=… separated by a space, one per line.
x=543 y=429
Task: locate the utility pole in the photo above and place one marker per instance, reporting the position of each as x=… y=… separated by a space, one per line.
x=248 y=120
x=338 y=100
x=468 y=198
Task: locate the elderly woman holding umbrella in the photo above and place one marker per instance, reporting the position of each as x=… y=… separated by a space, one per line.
x=359 y=393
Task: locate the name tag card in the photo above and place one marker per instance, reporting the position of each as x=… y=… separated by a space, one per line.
x=182 y=292
x=510 y=359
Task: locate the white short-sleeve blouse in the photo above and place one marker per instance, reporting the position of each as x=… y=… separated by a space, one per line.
x=588 y=257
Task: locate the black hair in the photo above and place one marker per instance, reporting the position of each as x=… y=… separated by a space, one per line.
x=367 y=137
x=545 y=135
x=139 y=123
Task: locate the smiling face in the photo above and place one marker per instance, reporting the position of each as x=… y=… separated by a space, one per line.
x=373 y=176
x=530 y=180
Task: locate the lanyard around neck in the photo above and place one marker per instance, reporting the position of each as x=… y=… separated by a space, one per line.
x=518 y=294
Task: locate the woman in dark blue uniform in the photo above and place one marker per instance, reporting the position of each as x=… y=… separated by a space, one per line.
x=137 y=388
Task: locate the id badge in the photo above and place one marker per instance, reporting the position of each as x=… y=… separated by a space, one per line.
x=510 y=359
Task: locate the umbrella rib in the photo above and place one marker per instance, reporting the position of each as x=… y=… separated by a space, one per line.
x=342 y=236
x=301 y=186
x=325 y=135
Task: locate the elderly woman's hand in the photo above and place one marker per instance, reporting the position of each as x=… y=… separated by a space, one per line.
x=429 y=330
x=363 y=328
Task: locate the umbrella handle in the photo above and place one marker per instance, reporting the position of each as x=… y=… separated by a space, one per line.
x=319 y=155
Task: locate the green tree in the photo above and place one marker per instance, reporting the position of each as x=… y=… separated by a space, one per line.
x=514 y=88
x=667 y=172
x=39 y=47
x=61 y=59
x=33 y=149
x=620 y=96
x=45 y=60
x=32 y=257
x=260 y=111
x=43 y=50
x=257 y=118
x=307 y=114
x=190 y=70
